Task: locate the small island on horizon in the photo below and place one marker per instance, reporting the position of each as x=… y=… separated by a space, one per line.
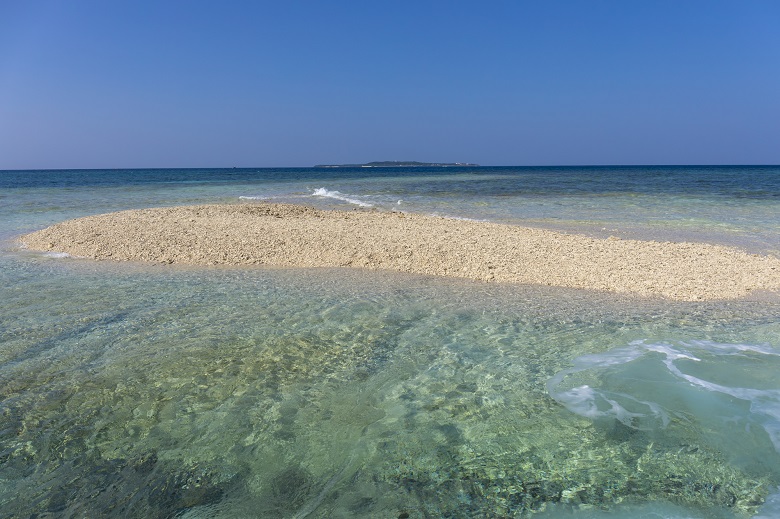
x=399 y=164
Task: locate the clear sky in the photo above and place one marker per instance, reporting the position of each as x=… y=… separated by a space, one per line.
x=111 y=84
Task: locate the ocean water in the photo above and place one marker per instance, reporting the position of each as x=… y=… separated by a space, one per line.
x=130 y=390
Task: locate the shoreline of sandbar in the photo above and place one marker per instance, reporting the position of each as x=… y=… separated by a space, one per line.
x=300 y=236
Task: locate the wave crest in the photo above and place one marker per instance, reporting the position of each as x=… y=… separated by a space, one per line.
x=326 y=193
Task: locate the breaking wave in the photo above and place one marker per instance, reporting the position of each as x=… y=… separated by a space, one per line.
x=350 y=199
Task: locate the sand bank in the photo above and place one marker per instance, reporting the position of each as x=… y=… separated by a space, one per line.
x=298 y=236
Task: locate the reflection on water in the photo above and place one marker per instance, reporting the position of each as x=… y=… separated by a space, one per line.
x=162 y=392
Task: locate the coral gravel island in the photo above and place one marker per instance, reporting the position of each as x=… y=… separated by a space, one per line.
x=299 y=236
x=400 y=164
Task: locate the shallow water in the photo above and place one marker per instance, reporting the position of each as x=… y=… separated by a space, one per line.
x=158 y=391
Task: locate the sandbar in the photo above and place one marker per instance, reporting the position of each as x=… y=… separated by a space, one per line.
x=288 y=235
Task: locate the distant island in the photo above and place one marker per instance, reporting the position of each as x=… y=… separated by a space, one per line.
x=399 y=164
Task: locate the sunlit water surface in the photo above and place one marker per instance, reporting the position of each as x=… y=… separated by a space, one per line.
x=159 y=391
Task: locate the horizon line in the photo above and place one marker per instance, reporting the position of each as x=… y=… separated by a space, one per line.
x=153 y=168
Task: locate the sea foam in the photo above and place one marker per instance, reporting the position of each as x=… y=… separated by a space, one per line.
x=729 y=389
x=652 y=369
x=326 y=193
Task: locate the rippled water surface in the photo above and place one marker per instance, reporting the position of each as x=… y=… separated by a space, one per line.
x=157 y=391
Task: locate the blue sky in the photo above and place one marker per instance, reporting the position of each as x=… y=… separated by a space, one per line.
x=96 y=84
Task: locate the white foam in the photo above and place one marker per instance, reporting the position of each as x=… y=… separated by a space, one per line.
x=464 y=219
x=732 y=349
x=460 y=218
x=57 y=255
x=325 y=193
x=595 y=403
x=600 y=402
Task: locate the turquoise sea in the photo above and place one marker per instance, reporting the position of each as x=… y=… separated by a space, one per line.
x=131 y=390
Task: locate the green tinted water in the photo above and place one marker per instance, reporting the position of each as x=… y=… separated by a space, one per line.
x=130 y=391
x=162 y=392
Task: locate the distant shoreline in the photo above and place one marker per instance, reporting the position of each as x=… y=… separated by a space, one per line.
x=401 y=164
x=301 y=236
